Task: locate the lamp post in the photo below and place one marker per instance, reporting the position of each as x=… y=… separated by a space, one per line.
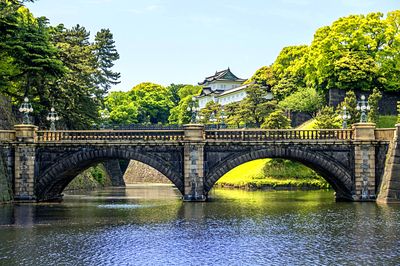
x=104 y=115
x=222 y=117
x=213 y=119
x=345 y=116
x=26 y=108
x=363 y=106
x=52 y=117
x=193 y=109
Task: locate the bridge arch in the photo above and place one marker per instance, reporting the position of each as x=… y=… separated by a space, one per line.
x=55 y=178
x=333 y=172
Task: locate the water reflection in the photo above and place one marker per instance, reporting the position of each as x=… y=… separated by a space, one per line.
x=151 y=225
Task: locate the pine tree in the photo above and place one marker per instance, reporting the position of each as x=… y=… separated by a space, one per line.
x=106 y=54
x=350 y=102
x=373 y=102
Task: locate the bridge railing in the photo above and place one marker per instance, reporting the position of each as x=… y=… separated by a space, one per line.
x=109 y=135
x=384 y=134
x=7 y=135
x=279 y=134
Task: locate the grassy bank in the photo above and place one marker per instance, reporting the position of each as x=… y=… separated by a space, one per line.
x=274 y=174
x=386 y=121
x=92 y=178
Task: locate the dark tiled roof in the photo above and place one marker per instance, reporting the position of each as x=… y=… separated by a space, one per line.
x=221 y=75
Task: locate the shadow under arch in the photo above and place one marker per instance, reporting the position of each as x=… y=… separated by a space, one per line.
x=334 y=173
x=54 y=179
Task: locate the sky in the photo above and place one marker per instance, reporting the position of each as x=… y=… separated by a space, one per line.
x=183 y=41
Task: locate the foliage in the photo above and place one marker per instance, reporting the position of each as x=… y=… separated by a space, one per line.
x=281 y=168
x=174 y=90
x=262 y=77
x=398 y=112
x=288 y=71
x=255 y=107
x=276 y=120
x=153 y=102
x=386 y=121
x=373 y=102
x=350 y=102
x=309 y=124
x=121 y=107
x=252 y=175
x=92 y=178
x=211 y=111
x=98 y=174
x=76 y=96
x=180 y=114
x=357 y=52
x=105 y=53
x=54 y=66
x=232 y=113
x=327 y=118
x=306 y=100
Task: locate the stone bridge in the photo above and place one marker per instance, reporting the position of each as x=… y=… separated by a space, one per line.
x=359 y=163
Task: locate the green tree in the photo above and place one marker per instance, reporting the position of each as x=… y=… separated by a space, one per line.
x=306 y=100
x=179 y=113
x=276 y=120
x=105 y=53
x=327 y=118
x=29 y=61
x=174 y=90
x=233 y=115
x=212 y=111
x=121 y=107
x=76 y=94
x=350 y=102
x=288 y=71
x=153 y=101
x=256 y=106
x=373 y=102
x=262 y=77
x=353 y=53
x=388 y=57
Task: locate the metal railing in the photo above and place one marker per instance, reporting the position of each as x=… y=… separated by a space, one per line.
x=109 y=135
x=279 y=134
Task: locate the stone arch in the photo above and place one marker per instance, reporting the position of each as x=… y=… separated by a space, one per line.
x=333 y=172
x=54 y=179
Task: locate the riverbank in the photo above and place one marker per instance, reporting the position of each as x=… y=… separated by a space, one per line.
x=94 y=177
x=272 y=174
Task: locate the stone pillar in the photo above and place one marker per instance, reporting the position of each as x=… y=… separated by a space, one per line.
x=389 y=191
x=114 y=171
x=25 y=150
x=193 y=171
x=364 y=160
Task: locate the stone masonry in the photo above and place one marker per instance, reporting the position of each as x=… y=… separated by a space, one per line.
x=390 y=185
x=193 y=159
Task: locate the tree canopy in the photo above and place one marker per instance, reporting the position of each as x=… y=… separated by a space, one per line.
x=54 y=66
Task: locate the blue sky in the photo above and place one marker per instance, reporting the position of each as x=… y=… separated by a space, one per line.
x=182 y=41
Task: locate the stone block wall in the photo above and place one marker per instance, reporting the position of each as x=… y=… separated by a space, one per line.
x=390 y=187
x=387 y=105
x=138 y=172
x=5 y=175
x=298 y=118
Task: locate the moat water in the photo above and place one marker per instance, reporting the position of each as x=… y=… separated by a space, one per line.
x=150 y=225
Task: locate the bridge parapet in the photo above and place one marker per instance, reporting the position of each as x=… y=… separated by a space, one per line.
x=386 y=134
x=7 y=135
x=279 y=134
x=109 y=135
